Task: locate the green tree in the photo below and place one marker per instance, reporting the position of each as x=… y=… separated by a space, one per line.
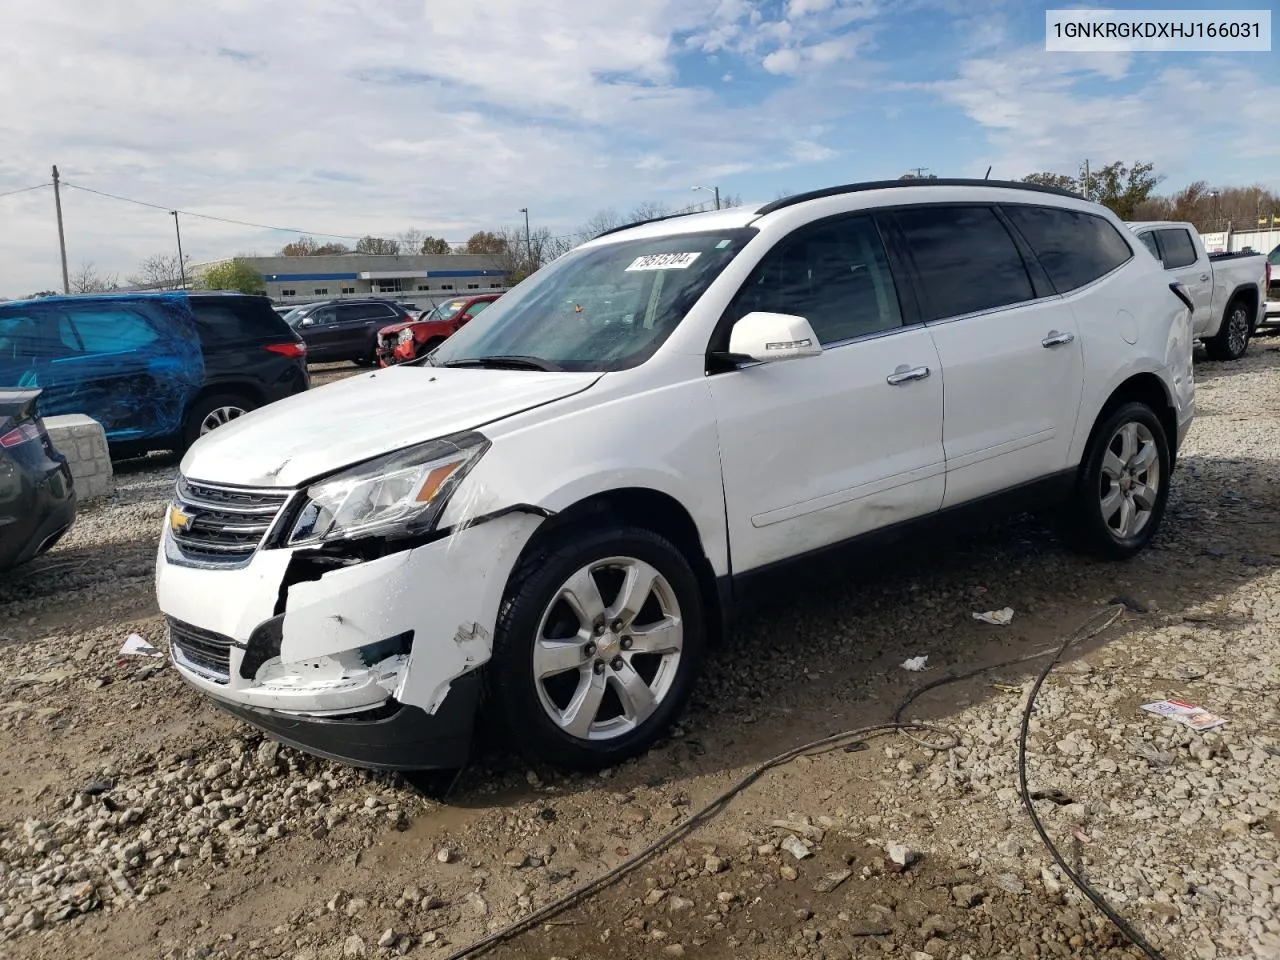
x=237 y=274
x=1122 y=187
x=1119 y=186
x=1059 y=180
x=435 y=245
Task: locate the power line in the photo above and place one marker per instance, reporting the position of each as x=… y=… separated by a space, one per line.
x=38 y=186
x=238 y=223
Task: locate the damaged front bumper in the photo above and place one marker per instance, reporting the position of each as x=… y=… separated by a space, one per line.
x=371 y=662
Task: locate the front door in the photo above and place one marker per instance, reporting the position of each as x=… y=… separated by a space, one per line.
x=1013 y=360
x=819 y=450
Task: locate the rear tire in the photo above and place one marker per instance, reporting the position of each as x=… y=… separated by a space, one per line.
x=1232 y=340
x=1123 y=485
x=581 y=678
x=214 y=411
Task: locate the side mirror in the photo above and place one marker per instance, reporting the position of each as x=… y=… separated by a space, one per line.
x=464 y=318
x=306 y=322
x=773 y=336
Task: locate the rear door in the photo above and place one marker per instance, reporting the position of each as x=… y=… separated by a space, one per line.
x=1180 y=257
x=1012 y=365
x=235 y=333
x=130 y=364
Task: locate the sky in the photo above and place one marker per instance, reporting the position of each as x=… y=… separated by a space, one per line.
x=353 y=117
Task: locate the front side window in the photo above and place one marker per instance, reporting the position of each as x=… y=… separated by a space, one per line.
x=1273 y=257
x=835 y=275
x=600 y=308
x=966 y=260
x=475 y=309
x=1149 y=241
x=1178 y=249
x=1074 y=248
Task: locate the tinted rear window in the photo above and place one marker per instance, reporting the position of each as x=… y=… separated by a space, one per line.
x=966 y=259
x=1074 y=248
x=234 y=320
x=1177 y=248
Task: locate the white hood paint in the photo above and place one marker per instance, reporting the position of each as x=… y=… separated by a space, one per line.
x=301 y=437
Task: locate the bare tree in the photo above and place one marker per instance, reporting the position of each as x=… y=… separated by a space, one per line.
x=647 y=211
x=378 y=246
x=411 y=240
x=310 y=247
x=602 y=220
x=161 y=271
x=88 y=280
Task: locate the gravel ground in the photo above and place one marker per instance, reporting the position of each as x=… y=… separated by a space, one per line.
x=136 y=819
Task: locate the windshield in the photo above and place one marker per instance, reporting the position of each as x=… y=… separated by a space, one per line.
x=600 y=308
x=445 y=311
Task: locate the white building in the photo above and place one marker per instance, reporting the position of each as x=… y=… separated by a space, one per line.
x=426 y=276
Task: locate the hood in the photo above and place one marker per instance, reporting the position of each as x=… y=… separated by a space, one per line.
x=397 y=327
x=291 y=441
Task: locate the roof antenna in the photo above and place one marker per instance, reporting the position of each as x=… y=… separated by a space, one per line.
x=988 y=174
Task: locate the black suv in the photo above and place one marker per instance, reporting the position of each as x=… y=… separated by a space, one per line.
x=157 y=370
x=345 y=329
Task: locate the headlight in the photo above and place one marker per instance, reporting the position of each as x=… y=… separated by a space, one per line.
x=402 y=493
x=406 y=336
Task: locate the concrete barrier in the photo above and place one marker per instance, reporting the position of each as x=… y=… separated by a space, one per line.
x=83 y=442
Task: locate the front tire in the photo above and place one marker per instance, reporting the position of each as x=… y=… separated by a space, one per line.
x=212 y=412
x=1123 y=484
x=597 y=647
x=1231 y=342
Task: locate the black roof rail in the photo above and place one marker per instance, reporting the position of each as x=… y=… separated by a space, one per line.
x=791 y=201
x=641 y=223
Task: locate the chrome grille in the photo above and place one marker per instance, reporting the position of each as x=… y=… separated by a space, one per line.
x=203 y=651
x=224 y=525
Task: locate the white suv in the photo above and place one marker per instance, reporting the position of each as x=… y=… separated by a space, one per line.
x=577 y=488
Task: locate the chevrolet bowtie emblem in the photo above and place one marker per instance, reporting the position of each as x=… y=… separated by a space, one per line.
x=179 y=520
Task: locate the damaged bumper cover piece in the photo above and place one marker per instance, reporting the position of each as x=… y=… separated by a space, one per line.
x=367 y=661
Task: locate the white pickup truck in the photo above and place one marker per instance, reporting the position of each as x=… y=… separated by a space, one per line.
x=1229 y=290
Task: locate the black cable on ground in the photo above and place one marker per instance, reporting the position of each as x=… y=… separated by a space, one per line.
x=1092 y=627
x=1134 y=937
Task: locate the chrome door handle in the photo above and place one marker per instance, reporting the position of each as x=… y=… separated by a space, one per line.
x=904 y=373
x=1056 y=339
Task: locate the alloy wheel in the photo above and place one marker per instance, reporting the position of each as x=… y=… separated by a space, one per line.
x=218 y=417
x=608 y=648
x=1129 y=487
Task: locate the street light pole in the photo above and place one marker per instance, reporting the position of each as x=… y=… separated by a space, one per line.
x=715 y=190
x=182 y=267
x=528 y=240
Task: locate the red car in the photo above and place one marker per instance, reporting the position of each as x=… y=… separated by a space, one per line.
x=401 y=342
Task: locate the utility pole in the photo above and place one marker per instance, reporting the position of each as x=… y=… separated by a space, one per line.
x=528 y=240
x=920 y=172
x=182 y=267
x=1085 y=184
x=62 y=239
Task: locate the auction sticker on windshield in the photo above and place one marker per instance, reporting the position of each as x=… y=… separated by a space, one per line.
x=663 y=261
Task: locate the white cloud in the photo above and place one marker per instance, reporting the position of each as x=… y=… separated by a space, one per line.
x=353 y=116
x=807 y=151
x=784 y=61
x=1049 y=112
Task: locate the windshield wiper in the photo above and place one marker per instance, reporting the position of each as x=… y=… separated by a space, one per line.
x=518 y=362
